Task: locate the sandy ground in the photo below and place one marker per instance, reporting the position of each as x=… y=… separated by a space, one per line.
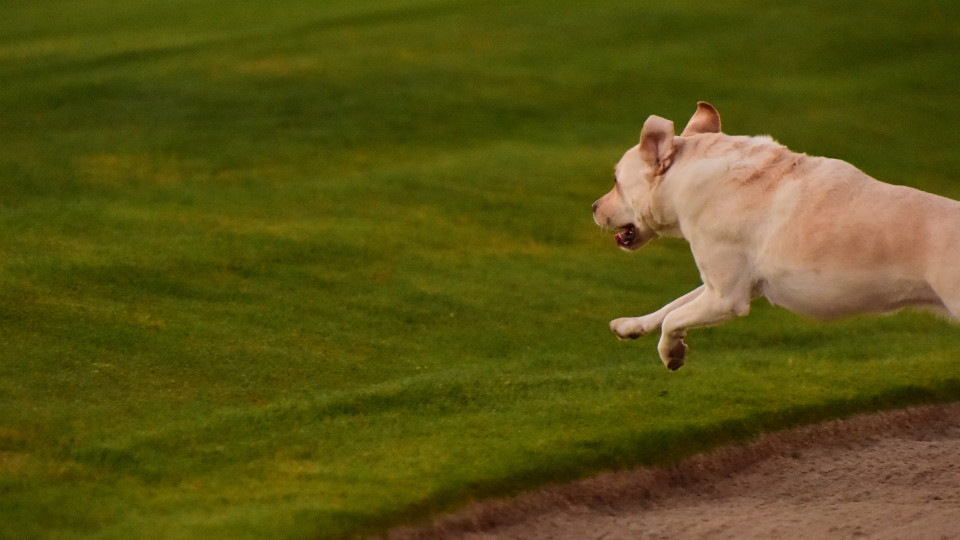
x=889 y=475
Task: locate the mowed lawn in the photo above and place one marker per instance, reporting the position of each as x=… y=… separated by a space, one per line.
x=313 y=269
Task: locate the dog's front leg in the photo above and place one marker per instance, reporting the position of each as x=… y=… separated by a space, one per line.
x=709 y=308
x=634 y=327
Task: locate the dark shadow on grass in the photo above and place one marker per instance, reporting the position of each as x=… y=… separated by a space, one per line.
x=658 y=449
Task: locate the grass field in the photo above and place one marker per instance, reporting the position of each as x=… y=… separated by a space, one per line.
x=311 y=269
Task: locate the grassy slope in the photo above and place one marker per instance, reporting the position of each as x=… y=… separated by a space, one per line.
x=310 y=269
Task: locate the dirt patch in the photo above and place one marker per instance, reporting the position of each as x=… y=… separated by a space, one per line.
x=890 y=475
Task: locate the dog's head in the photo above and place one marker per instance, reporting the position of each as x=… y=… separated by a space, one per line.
x=630 y=208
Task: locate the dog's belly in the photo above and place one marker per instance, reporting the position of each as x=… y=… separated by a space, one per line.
x=829 y=296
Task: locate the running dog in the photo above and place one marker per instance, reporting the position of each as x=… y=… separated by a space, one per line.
x=814 y=235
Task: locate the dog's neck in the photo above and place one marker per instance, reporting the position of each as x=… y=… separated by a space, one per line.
x=657 y=216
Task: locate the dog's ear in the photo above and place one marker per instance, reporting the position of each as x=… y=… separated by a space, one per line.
x=656 y=144
x=705 y=120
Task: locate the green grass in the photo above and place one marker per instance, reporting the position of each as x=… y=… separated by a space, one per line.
x=310 y=269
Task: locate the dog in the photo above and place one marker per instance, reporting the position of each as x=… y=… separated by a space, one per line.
x=814 y=235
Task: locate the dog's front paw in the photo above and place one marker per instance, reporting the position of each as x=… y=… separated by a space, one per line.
x=629 y=327
x=676 y=356
x=673 y=352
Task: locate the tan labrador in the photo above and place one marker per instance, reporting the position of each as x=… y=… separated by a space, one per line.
x=814 y=235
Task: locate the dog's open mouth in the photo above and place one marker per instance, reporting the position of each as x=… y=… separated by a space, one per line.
x=627 y=236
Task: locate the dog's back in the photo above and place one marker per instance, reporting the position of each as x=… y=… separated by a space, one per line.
x=832 y=241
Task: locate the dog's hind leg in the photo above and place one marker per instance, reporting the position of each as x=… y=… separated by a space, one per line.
x=634 y=327
x=944 y=279
x=943 y=265
x=949 y=294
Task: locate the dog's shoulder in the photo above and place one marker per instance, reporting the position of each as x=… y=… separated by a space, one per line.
x=728 y=147
x=741 y=159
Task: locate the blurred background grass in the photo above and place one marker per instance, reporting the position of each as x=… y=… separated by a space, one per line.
x=310 y=270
